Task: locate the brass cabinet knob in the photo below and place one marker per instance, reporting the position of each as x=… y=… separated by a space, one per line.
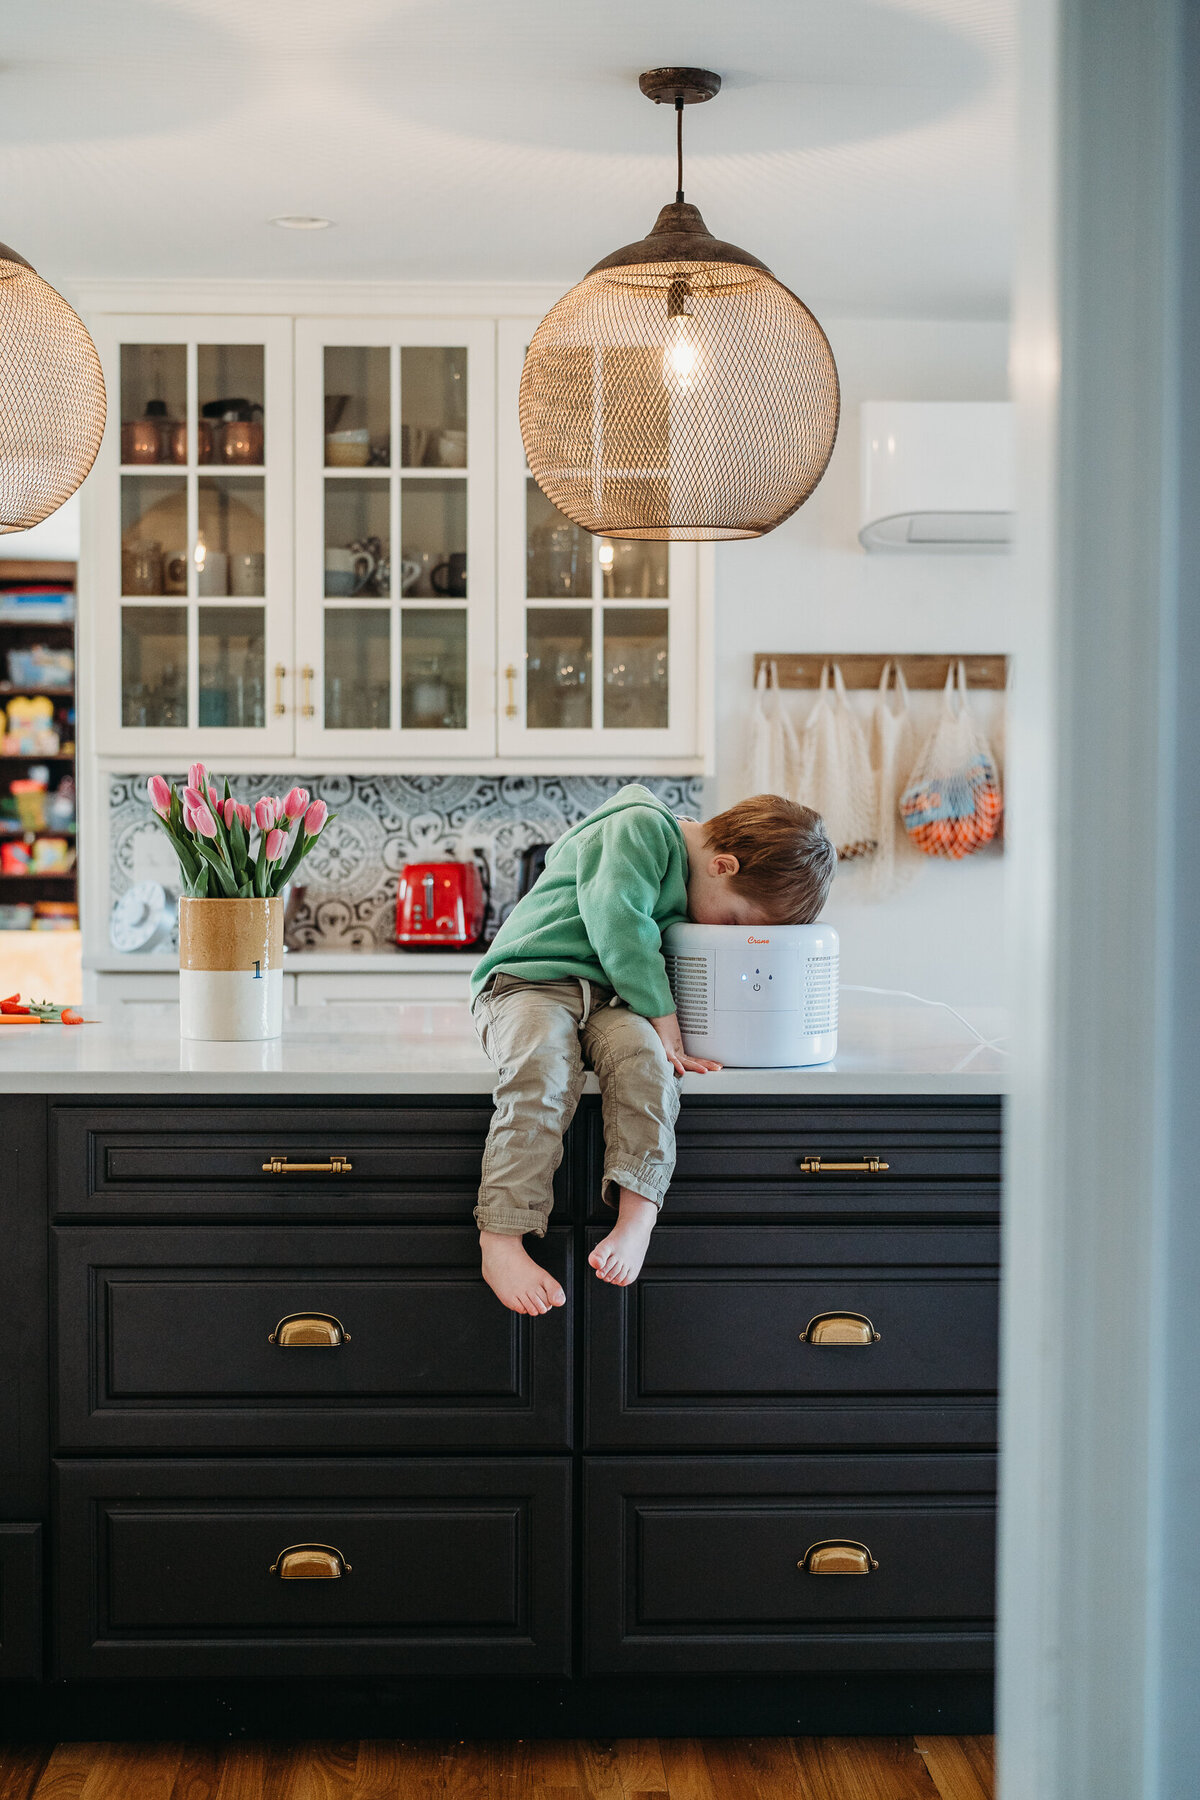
x=820 y=1165
x=322 y=1331
x=839 y=1328
x=837 y=1556
x=310 y=1562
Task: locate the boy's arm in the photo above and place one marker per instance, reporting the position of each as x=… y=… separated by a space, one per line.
x=619 y=875
x=677 y=1056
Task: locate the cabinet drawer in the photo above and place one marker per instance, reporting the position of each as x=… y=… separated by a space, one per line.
x=692 y=1564
x=203 y=1161
x=743 y=1159
x=709 y=1347
x=164 y=1341
x=20 y=1601
x=455 y=1566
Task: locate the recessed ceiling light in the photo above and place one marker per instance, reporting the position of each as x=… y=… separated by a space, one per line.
x=301 y=222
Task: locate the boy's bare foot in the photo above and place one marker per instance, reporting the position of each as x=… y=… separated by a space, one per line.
x=515 y=1278
x=618 y=1258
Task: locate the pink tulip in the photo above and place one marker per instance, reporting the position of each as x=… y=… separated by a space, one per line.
x=228 y=811
x=315 y=817
x=203 y=821
x=264 y=813
x=275 y=843
x=198 y=777
x=244 y=814
x=295 y=804
x=193 y=796
x=160 y=795
x=214 y=799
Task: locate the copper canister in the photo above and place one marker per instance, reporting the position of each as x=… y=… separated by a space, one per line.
x=140 y=441
x=240 y=441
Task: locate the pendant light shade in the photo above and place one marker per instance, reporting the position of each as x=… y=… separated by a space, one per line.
x=52 y=400
x=679 y=391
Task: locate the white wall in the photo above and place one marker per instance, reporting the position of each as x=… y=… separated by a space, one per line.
x=810 y=587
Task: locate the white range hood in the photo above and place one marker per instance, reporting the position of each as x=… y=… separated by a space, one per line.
x=937 y=476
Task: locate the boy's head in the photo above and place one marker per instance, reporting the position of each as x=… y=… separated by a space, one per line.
x=766 y=861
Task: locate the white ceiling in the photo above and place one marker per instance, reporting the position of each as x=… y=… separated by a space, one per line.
x=862 y=148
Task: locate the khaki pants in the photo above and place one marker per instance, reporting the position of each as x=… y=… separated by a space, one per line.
x=538 y=1033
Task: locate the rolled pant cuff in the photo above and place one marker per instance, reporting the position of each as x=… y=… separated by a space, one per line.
x=510 y=1221
x=650 y=1183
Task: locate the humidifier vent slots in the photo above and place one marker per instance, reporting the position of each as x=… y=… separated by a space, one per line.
x=820 y=993
x=688 y=976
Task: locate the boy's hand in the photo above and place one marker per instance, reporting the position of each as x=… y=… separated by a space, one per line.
x=683 y=1064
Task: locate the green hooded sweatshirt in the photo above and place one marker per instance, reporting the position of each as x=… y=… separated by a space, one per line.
x=611 y=886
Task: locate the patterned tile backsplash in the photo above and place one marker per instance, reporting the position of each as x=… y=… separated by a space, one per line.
x=383 y=822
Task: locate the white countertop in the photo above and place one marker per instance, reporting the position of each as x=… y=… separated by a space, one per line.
x=305 y=962
x=417 y=1047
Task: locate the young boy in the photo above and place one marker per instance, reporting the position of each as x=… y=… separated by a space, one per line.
x=576 y=971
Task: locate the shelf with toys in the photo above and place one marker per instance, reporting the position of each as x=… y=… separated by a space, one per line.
x=37 y=747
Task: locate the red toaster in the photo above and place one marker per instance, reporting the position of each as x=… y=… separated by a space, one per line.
x=440 y=903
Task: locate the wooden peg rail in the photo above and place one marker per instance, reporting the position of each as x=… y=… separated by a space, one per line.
x=864 y=671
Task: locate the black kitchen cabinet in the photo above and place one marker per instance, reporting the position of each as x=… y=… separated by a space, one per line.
x=224 y=1358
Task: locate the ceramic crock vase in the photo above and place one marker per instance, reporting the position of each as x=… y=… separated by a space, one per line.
x=231 y=968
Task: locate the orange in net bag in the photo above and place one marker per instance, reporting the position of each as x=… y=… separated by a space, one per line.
x=952 y=804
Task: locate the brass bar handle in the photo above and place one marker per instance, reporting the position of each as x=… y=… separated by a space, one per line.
x=280 y=672
x=318 y=1331
x=307 y=708
x=839 y=1328
x=510 y=675
x=310 y=1562
x=818 y=1165
x=837 y=1556
x=279 y=1165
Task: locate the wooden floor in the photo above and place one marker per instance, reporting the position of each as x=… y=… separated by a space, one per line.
x=925 y=1768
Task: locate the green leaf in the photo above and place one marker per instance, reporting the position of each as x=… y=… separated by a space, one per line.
x=225 y=880
x=240 y=845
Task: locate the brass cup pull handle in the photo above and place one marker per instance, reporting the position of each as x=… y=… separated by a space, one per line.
x=280 y=672
x=819 y=1165
x=837 y=1556
x=839 y=1328
x=510 y=675
x=319 y=1331
x=310 y=1562
x=279 y=1165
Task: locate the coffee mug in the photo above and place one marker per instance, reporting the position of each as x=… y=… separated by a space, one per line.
x=450 y=577
x=247 y=573
x=452 y=449
x=213 y=578
x=339 y=572
x=175 y=571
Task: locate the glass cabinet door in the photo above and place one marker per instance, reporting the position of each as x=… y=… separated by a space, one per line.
x=599 y=637
x=194 y=493
x=395 y=578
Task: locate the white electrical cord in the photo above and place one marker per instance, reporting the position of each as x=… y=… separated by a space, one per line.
x=984 y=1043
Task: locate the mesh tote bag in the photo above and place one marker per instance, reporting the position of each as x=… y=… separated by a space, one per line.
x=892 y=744
x=952 y=805
x=833 y=772
x=773 y=748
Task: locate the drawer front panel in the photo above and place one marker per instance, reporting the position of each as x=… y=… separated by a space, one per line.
x=450 y=1566
x=165 y=1341
x=695 y=1564
x=744 y=1158
x=204 y=1162
x=712 y=1346
x=20 y=1601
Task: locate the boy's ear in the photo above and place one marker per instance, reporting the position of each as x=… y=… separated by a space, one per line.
x=724 y=863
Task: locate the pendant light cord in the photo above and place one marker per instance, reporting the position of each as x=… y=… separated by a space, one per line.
x=679 y=149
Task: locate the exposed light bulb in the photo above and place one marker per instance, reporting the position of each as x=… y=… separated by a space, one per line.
x=606 y=555
x=681 y=355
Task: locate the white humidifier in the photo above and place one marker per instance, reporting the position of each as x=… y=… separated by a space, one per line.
x=761 y=998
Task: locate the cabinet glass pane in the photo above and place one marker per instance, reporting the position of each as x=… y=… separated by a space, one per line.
x=357 y=537
x=631 y=570
x=153 y=403
x=231 y=392
x=558 y=554
x=635 y=668
x=153 y=666
x=433 y=531
x=433 y=407
x=229 y=554
x=154 y=534
x=232 y=641
x=558 y=668
x=358 y=406
x=358 y=668
x=433 y=669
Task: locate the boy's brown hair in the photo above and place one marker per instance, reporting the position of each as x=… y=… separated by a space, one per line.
x=785 y=859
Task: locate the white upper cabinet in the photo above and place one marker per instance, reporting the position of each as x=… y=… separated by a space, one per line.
x=316 y=541
x=599 y=638
x=395 y=541
x=189 y=551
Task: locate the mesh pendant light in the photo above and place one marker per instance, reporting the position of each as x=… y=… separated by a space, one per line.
x=680 y=390
x=52 y=402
